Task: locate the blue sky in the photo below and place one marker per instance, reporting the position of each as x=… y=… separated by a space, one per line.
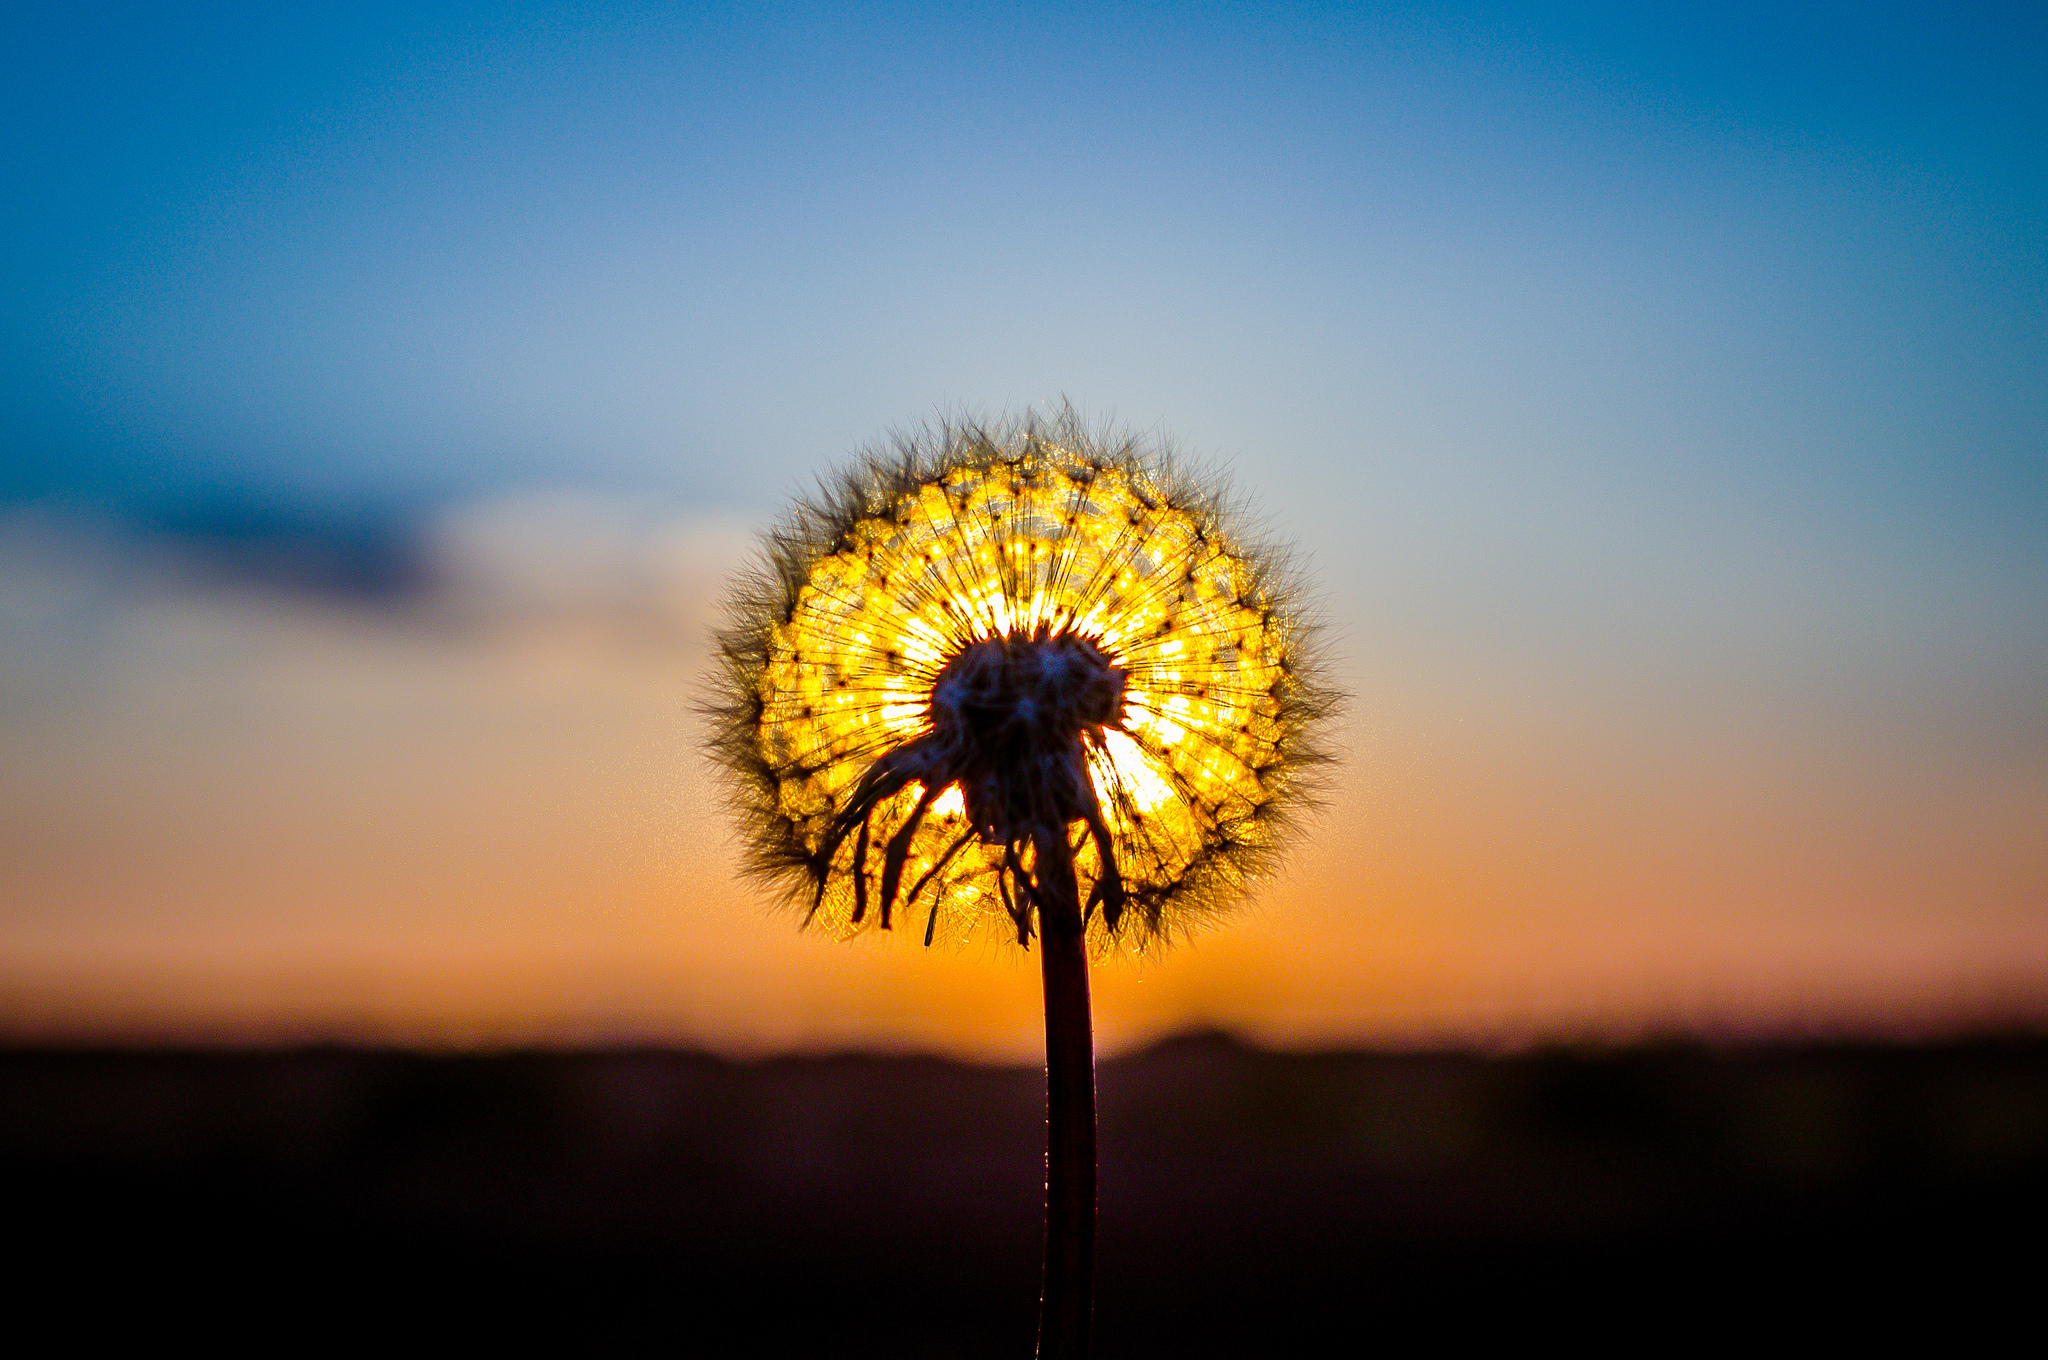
x=350 y=253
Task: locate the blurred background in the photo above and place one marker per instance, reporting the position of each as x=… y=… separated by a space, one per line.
x=1658 y=397
x=1660 y=403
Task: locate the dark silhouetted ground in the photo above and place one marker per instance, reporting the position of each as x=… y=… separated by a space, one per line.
x=1252 y=1203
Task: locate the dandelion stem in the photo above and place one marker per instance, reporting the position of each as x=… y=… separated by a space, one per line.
x=1067 y=1308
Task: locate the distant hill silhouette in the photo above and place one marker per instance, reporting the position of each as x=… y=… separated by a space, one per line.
x=1252 y=1202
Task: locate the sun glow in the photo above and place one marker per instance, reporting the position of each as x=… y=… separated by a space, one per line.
x=1128 y=768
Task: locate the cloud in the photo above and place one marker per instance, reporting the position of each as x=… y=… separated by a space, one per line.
x=567 y=558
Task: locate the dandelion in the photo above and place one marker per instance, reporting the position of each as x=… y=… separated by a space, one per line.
x=1025 y=680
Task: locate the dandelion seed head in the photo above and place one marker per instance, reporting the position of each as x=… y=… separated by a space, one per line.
x=984 y=630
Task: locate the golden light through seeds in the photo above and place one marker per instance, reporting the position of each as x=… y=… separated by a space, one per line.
x=1015 y=539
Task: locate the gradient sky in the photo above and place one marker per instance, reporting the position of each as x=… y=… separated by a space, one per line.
x=1660 y=399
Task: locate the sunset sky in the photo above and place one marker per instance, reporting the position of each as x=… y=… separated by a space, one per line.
x=1659 y=402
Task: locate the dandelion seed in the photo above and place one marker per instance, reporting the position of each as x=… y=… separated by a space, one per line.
x=1026 y=626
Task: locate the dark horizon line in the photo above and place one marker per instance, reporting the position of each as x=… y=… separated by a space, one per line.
x=2007 y=1034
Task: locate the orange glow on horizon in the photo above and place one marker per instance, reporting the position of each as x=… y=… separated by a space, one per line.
x=261 y=820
